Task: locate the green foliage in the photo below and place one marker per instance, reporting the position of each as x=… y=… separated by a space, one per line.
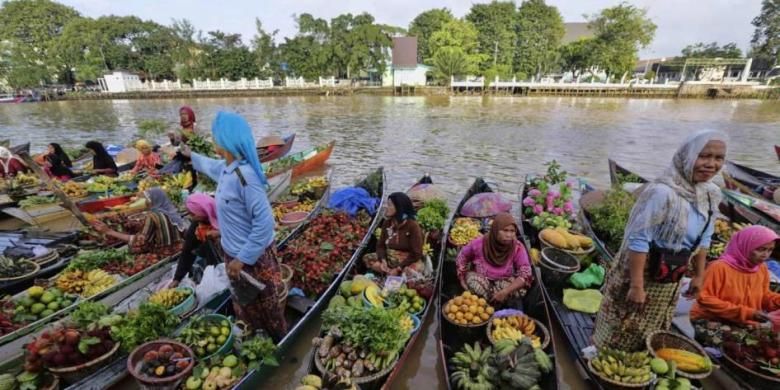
x=149 y=322
x=766 y=37
x=455 y=50
x=620 y=32
x=259 y=350
x=539 y=28
x=87 y=313
x=376 y=329
x=578 y=56
x=611 y=216
x=149 y=127
x=433 y=215
x=712 y=50
x=496 y=37
x=424 y=25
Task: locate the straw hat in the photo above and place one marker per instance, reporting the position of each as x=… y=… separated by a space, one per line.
x=270 y=140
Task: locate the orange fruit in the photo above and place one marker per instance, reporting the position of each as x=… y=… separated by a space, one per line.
x=464 y=308
x=484 y=316
x=482 y=301
x=458 y=315
x=480 y=309
x=472 y=309
x=476 y=320
x=489 y=310
x=468 y=316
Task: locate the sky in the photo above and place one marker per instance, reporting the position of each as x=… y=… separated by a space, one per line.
x=680 y=22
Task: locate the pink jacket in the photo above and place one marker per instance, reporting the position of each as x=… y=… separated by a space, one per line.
x=472 y=258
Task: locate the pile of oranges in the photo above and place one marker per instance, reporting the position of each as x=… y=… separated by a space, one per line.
x=468 y=309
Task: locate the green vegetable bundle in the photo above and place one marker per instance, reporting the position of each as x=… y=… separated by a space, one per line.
x=376 y=329
x=199 y=144
x=611 y=216
x=35 y=200
x=89 y=260
x=148 y=323
x=430 y=219
x=259 y=350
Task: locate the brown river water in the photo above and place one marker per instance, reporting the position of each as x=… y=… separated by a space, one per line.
x=455 y=139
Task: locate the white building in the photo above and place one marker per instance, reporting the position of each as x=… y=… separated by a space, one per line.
x=404 y=69
x=120 y=82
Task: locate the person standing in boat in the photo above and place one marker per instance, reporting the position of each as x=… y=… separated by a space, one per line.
x=57 y=162
x=669 y=229
x=246 y=221
x=201 y=239
x=102 y=163
x=736 y=287
x=187 y=122
x=496 y=266
x=400 y=245
x=10 y=165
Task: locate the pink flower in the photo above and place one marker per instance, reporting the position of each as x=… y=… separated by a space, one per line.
x=568 y=207
x=549 y=204
x=554 y=194
x=558 y=211
x=534 y=192
x=538 y=209
x=529 y=201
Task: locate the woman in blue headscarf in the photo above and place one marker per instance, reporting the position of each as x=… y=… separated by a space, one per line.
x=246 y=220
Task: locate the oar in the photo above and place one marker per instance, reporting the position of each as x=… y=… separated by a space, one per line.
x=54 y=188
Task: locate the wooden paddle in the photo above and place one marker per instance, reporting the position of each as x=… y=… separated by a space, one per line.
x=54 y=188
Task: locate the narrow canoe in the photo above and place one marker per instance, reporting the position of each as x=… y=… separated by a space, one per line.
x=302 y=162
x=750 y=181
x=777 y=151
x=278 y=153
x=54 y=241
x=619 y=174
x=451 y=338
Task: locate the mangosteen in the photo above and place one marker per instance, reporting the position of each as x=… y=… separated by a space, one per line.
x=59 y=360
x=170 y=369
x=67 y=349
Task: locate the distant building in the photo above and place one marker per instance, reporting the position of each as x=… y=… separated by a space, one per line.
x=404 y=68
x=120 y=82
x=576 y=31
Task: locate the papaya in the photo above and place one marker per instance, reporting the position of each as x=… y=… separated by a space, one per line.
x=554 y=238
x=585 y=242
x=571 y=241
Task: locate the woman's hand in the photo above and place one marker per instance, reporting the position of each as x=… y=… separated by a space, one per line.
x=694 y=287
x=502 y=295
x=637 y=295
x=185 y=150
x=760 y=316
x=234 y=269
x=172 y=284
x=99 y=226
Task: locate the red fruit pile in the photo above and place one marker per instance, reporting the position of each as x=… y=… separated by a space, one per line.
x=67 y=347
x=756 y=348
x=7 y=324
x=129 y=268
x=323 y=249
x=164 y=361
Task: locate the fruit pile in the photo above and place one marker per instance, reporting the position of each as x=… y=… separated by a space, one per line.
x=205 y=336
x=7 y=323
x=685 y=360
x=67 y=347
x=26 y=180
x=352 y=291
x=406 y=299
x=623 y=367
x=563 y=239
x=716 y=249
x=757 y=349
x=11 y=269
x=309 y=188
x=669 y=381
x=478 y=358
x=74 y=189
x=165 y=361
x=463 y=231
x=132 y=266
x=407 y=324
x=170 y=297
x=218 y=376
x=85 y=284
x=468 y=308
x=326 y=382
x=509 y=365
x=323 y=249
x=280 y=210
x=515 y=327
x=39 y=303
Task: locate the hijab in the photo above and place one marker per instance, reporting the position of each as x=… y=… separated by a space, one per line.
x=742 y=243
x=190 y=120
x=161 y=204
x=60 y=153
x=677 y=191
x=203 y=205
x=232 y=133
x=101 y=160
x=143 y=145
x=5 y=158
x=404 y=209
x=496 y=252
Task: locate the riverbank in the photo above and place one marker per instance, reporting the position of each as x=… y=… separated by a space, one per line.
x=692 y=90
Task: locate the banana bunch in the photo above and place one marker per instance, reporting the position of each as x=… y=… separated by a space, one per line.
x=427 y=250
x=26 y=180
x=181 y=180
x=723 y=229
x=308 y=186
x=463 y=377
x=716 y=249
x=506 y=332
x=463 y=231
x=147 y=183
x=739 y=226
x=85 y=283
x=74 y=189
x=169 y=297
x=623 y=367
x=374 y=296
x=515 y=328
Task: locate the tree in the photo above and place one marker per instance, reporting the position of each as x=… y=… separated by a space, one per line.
x=424 y=25
x=265 y=50
x=455 y=50
x=495 y=24
x=620 y=32
x=539 y=29
x=225 y=56
x=712 y=50
x=766 y=37
x=577 y=56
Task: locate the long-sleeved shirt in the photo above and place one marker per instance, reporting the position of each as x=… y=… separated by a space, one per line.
x=472 y=258
x=246 y=221
x=147 y=163
x=734 y=296
x=193 y=247
x=407 y=238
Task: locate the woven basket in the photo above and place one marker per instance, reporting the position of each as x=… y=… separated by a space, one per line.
x=762 y=381
x=35 y=270
x=540 y=331
x=74 y=374
x=613 y=384
x=444 y=314
x=356 y=380
x=663 y=339
x=47 y=259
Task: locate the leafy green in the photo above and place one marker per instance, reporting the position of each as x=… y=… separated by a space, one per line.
x=610 y=217
x=259 y=350
x=89 y=260
x=438 y=205
x=199 y=144
x=149 y=322
x=375 y=328
x=151 y=127
x=430 y=219
x=87 y=313
x=35 y=200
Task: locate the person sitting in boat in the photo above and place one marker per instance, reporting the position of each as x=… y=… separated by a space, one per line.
x=201 y=239
x=270 y=144
x=496 y=266
x=57 y=163
x=10 y=165
x=400 y=245
x=102 y=163
x=736 y=287
x=670 y=227
x=148 y=161
x=160 y=228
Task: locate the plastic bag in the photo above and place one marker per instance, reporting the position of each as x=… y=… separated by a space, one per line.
x=586 y=301
x=592 y=276
x=214 y=281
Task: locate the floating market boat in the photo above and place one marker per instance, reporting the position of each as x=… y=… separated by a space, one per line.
x=302 y=162
x=278 y=153
x=452 y=338
x=14 y=243
x=777 y=151
x=619 y=174
x=750 y=181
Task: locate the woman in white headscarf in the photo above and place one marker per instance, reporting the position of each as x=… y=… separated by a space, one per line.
x=668 y=231
x=10 y=165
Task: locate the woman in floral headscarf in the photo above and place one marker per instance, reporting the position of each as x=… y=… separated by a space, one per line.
x=670 y=226
x=201 y=239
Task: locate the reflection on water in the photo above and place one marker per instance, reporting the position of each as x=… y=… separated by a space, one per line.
x=452 y=138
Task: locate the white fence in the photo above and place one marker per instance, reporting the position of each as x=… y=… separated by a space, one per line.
x=225 y=84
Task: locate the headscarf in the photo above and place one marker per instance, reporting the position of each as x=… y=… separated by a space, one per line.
x=5 y=158
x=203 y=205
x=232 y=133
x=101 y=160
x=742 y=243
x=161 y=204
x=495 y=251
x=190 y=121
x=142 y=145
x=59 y=152
x=669 y=224
x=404 y=209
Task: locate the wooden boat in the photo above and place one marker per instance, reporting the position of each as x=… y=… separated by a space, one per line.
x=301 y=310
x=777 y=151
x=301 y=162
x=618 y=174
x=451 y=338
x=278 y=153
x=750 y=181
x=60 y=242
